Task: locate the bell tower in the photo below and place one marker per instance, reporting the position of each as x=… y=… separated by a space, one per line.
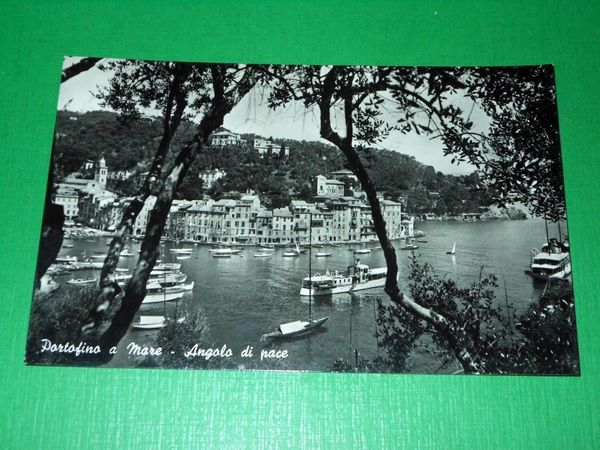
x=101 y=172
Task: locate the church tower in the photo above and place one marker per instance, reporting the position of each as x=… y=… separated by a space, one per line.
x=101 y=173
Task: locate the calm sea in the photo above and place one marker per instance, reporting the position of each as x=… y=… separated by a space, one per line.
x=244 y=297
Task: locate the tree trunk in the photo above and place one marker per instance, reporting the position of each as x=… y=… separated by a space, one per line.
x=135 y=291
x=456 y=337
x=53 y=219
x=171 y=120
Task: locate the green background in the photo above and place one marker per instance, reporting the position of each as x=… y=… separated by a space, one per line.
x=63 y=408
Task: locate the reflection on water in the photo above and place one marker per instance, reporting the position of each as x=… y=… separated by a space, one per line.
x=244 y=297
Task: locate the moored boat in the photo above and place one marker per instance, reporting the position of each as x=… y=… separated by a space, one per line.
x=224 y=252
x=323 y=254
x=357 y=278
x=552 y=262
x=81 y=281
x=152 y=322
x=296 y=328
x=155 y=293
x=66 y=259
x=181 y=251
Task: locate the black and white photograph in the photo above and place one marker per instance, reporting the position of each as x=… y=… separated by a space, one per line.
x=361 y=219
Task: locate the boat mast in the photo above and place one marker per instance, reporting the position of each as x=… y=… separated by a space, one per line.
x=310 y=266
x=559 y=232
x=546 y=224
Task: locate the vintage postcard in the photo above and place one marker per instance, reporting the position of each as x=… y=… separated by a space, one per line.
x=321 y=218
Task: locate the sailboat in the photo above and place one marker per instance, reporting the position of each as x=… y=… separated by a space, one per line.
x=299 y=327
x=292 y=253
x=453 y=251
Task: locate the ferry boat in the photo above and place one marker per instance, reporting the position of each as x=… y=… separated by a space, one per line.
x=552 y=262
x=357 y=278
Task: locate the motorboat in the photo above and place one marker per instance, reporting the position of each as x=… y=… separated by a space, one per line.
x=155 y=293
x=356 y=278
x=552 y=262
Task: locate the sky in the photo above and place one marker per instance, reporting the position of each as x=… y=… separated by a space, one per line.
x=252 y=115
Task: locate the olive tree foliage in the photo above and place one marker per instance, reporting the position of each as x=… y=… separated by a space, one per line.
x=135 y=87
x=471 y=308
x=53 y=220
x=353 y=105
x=355 y=96
x=518 y=156
x=542 y=340
x=226 y=85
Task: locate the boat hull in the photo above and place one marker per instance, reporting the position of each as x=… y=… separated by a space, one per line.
x=308 y=328
x=159 y=298
x=342 y=289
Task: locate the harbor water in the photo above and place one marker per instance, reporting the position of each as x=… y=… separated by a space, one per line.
x=244 y=297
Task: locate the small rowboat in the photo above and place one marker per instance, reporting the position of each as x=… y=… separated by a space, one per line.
x=323 y=254
x=152 y=322
x=409 y=247
x=179 y=258
x=362 y=251
x=297 y=328
x=80 y=281
x=263 y=255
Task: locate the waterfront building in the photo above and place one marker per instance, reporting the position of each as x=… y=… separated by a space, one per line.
x=244 y=220
x=69 y=200
x=141 y=222
x=83 y=187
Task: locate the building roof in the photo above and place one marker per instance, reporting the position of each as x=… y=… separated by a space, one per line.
x=227 y=202
x=282 y=212
x=248 y=198
x=224 y=133
x=264 y=213
x=200 y=208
